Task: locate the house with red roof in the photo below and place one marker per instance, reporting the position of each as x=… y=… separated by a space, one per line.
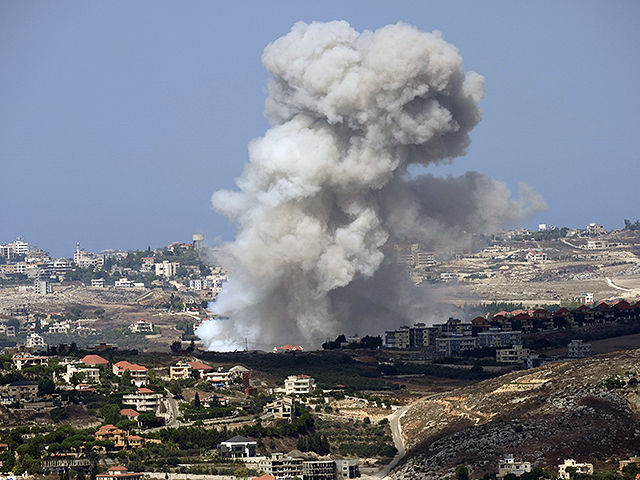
x=288 y=348
x=94 y=360
x=138 y=372
x=120 y=473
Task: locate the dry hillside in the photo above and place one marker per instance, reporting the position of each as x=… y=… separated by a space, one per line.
x=562 y=410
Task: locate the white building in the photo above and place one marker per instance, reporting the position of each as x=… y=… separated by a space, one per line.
x=455 y=343
x=97 y=282
x=166 y=269
x=35 y=341
x=585 y=468
x=124 y=283
x=145 y=399
x=536 y=257
x=299 y=385
x=508 y=465
x=141 y=326
x=91 y=375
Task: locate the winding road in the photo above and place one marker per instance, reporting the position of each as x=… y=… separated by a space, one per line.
x=396 y=432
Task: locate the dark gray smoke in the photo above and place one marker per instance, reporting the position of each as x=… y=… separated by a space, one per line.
x=327 y=187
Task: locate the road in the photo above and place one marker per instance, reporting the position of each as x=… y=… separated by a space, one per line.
x=396 y=432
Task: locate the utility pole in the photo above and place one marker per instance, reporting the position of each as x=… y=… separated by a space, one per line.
x=246 y=346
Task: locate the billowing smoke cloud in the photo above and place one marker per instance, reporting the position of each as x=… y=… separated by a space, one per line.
x=327 y=186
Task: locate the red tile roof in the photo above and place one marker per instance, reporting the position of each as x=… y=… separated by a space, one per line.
x=94 y=360
x=129 y=412
x=199 y=366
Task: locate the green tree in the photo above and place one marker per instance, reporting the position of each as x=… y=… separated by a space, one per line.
x=462 y=473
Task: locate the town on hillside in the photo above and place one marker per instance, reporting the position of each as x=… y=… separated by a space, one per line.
x=102 y=375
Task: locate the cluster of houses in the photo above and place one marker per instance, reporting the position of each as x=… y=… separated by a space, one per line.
x=294 y=464
x=505 y=329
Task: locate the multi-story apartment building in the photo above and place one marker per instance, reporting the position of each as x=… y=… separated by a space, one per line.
x=145 y=399
x=166 y=268
x=455 y=343
x=299 y=385
x=515 y=354
x=499 y=338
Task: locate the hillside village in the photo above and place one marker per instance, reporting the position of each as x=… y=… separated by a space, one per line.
x=103 y=377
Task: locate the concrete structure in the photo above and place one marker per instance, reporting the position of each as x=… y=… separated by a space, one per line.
x=585 y=468
x=91 y=375
x=319 y=470
x=499 y=338
x=42 y=287
x=577 y=349
x=595 y=229
x=23 y=360
x=166 y=269
x=282 y=465
x=238 y=447
x=455 y=343
x=123 y=283
x=280 y=408
x=198 y=241
x=536 y=257
x=299 y=385
x=35 y=341
x=508 y=465
x=145 y=400
x=138 y=372
x=141 y=326
x=515 y=354
x=632 y=461
x=348 y=467
x=21 y=390
x=7 y=330
x=97 y=282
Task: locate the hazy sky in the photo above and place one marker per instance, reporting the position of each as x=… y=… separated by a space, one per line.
x=118 y=120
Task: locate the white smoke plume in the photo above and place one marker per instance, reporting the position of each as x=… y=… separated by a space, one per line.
x=327 y=187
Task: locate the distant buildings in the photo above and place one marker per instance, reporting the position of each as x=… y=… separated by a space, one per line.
x=582 y=468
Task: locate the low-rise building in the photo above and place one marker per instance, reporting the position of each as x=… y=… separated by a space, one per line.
x=585 y=468
x=509 y=465
x=141 y=326
x=21 y=390
x=238 y=447
x=120 y=473
x=299 y=385
x=281 y=408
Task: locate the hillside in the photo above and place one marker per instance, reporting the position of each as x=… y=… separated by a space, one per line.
x=562 y=410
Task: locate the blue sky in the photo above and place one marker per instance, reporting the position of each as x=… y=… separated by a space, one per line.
x=118 y=120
